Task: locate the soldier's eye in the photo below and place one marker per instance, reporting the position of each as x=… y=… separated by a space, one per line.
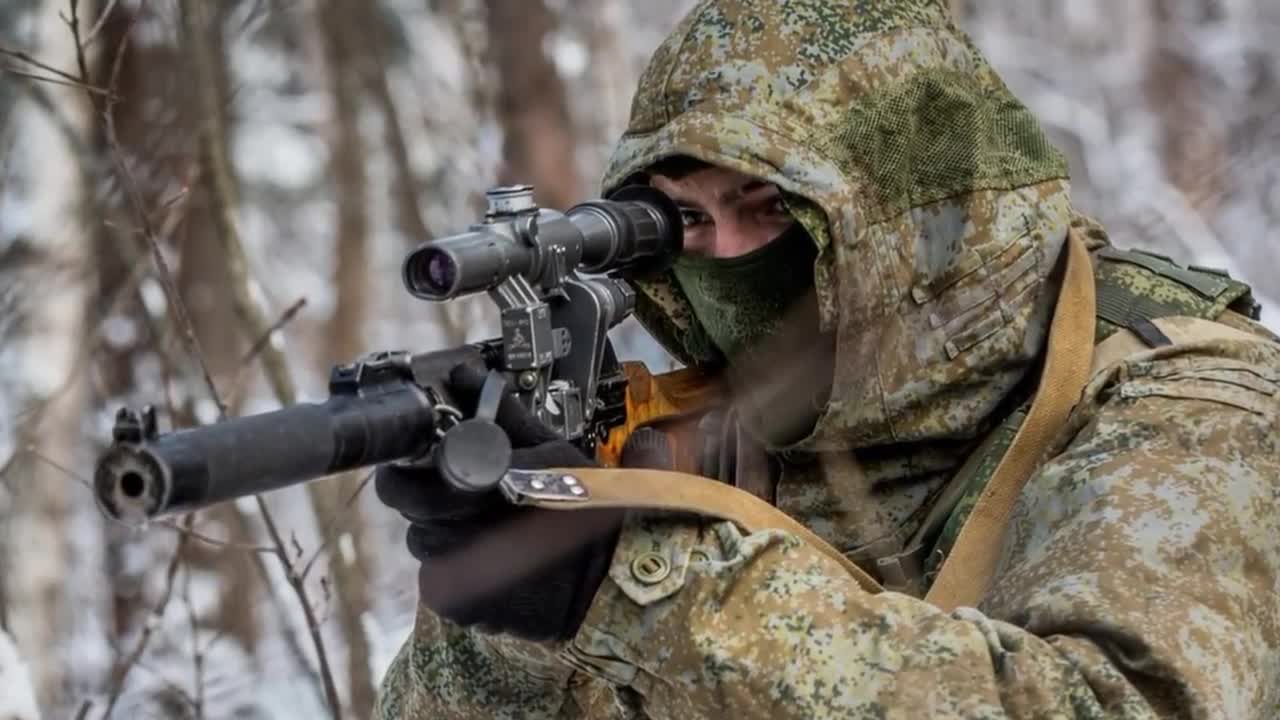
x=693 y=217
x=775 y=207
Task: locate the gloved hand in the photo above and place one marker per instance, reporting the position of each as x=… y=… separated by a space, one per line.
x=526 y=572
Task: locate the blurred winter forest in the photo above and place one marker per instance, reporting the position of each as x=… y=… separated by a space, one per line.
x=204 y=203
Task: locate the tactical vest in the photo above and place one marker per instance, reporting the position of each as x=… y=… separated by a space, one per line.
x=1133 y=288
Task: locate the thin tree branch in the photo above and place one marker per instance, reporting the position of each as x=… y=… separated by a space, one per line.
x=197 y=653
x=296 y=581
x=296 y=648
x=45 y=79
x=331 y=533
x=246 y=362
x=62 y=76
x=149 y=628
x=102 y=21
x=215 y=542
x=35 y=452
x=82 y=62
x=169 y=684
x=165 y=273
x=118 y=61
x=283 y=320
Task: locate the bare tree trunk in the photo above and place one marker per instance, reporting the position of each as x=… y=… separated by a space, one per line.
x=601 y=117
x=538 y=144
x=374 y=69
x=405 y=189
x=1194 y=149
x=202 y=279
x=18 y=701
x=38 y=569
x=117 y=253
x=40 y=564
x=346 y=69
x=466 y=18
x=223 y=196
x=160 y=147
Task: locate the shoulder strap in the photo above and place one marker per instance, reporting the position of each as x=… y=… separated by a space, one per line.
x=965 y=575
x=967 y=571
x=969 y=567
x=1138 y=285
x=1180 y=330
x=1136 y=292
x=667 y=490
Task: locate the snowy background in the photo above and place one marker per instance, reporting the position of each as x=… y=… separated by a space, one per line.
x=324 y=138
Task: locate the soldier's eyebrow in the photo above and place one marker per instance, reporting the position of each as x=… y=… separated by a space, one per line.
x=685 y=202
x=748 y=190
x=745 y=190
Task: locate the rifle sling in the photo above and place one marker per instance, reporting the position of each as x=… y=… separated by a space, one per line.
x=681 y=492
x=968 y=570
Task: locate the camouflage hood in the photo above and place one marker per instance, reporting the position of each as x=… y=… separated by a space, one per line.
x=938 y=206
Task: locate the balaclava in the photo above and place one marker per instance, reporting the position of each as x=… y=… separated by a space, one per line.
x=740 y=301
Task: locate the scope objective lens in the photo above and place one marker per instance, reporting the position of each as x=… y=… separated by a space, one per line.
x=433 y=272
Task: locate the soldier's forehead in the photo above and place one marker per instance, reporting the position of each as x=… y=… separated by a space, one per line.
x=712 y=182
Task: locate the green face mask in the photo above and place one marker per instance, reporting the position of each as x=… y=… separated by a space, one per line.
x=741 y=300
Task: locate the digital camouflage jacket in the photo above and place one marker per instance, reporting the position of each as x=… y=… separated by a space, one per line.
x=1140 y=572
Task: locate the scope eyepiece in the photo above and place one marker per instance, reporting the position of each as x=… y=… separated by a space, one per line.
x=636 y=229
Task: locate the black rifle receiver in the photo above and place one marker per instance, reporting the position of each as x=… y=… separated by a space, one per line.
x=556 y=278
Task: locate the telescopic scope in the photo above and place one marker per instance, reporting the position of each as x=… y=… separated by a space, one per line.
x=636 y=229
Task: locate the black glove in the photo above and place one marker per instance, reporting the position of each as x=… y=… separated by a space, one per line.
x=525 y=572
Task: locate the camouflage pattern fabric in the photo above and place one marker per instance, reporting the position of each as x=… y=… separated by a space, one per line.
x=1139 y=578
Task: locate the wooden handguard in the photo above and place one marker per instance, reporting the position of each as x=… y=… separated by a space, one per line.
x=671 y=403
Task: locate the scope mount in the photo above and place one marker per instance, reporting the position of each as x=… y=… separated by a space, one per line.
x=540 y=320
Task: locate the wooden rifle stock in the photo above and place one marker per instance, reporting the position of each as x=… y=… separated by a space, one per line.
x=670 y=403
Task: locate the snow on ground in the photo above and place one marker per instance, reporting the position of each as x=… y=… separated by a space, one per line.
x=17 y=702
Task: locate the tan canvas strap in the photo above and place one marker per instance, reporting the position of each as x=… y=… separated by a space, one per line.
x=664 y=490
x=1180 y=330
x=966 y=573
x=968 y=570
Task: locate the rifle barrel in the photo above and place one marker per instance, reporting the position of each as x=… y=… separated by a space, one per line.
x=193 y=468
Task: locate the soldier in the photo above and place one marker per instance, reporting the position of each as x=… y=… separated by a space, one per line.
x=858 y=182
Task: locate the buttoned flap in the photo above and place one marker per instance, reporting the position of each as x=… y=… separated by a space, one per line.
x=652 y=556
x=1225 y=381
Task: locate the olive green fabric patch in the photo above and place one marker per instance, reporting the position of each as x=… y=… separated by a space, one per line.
x=1135 y=285
x=939 y=134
